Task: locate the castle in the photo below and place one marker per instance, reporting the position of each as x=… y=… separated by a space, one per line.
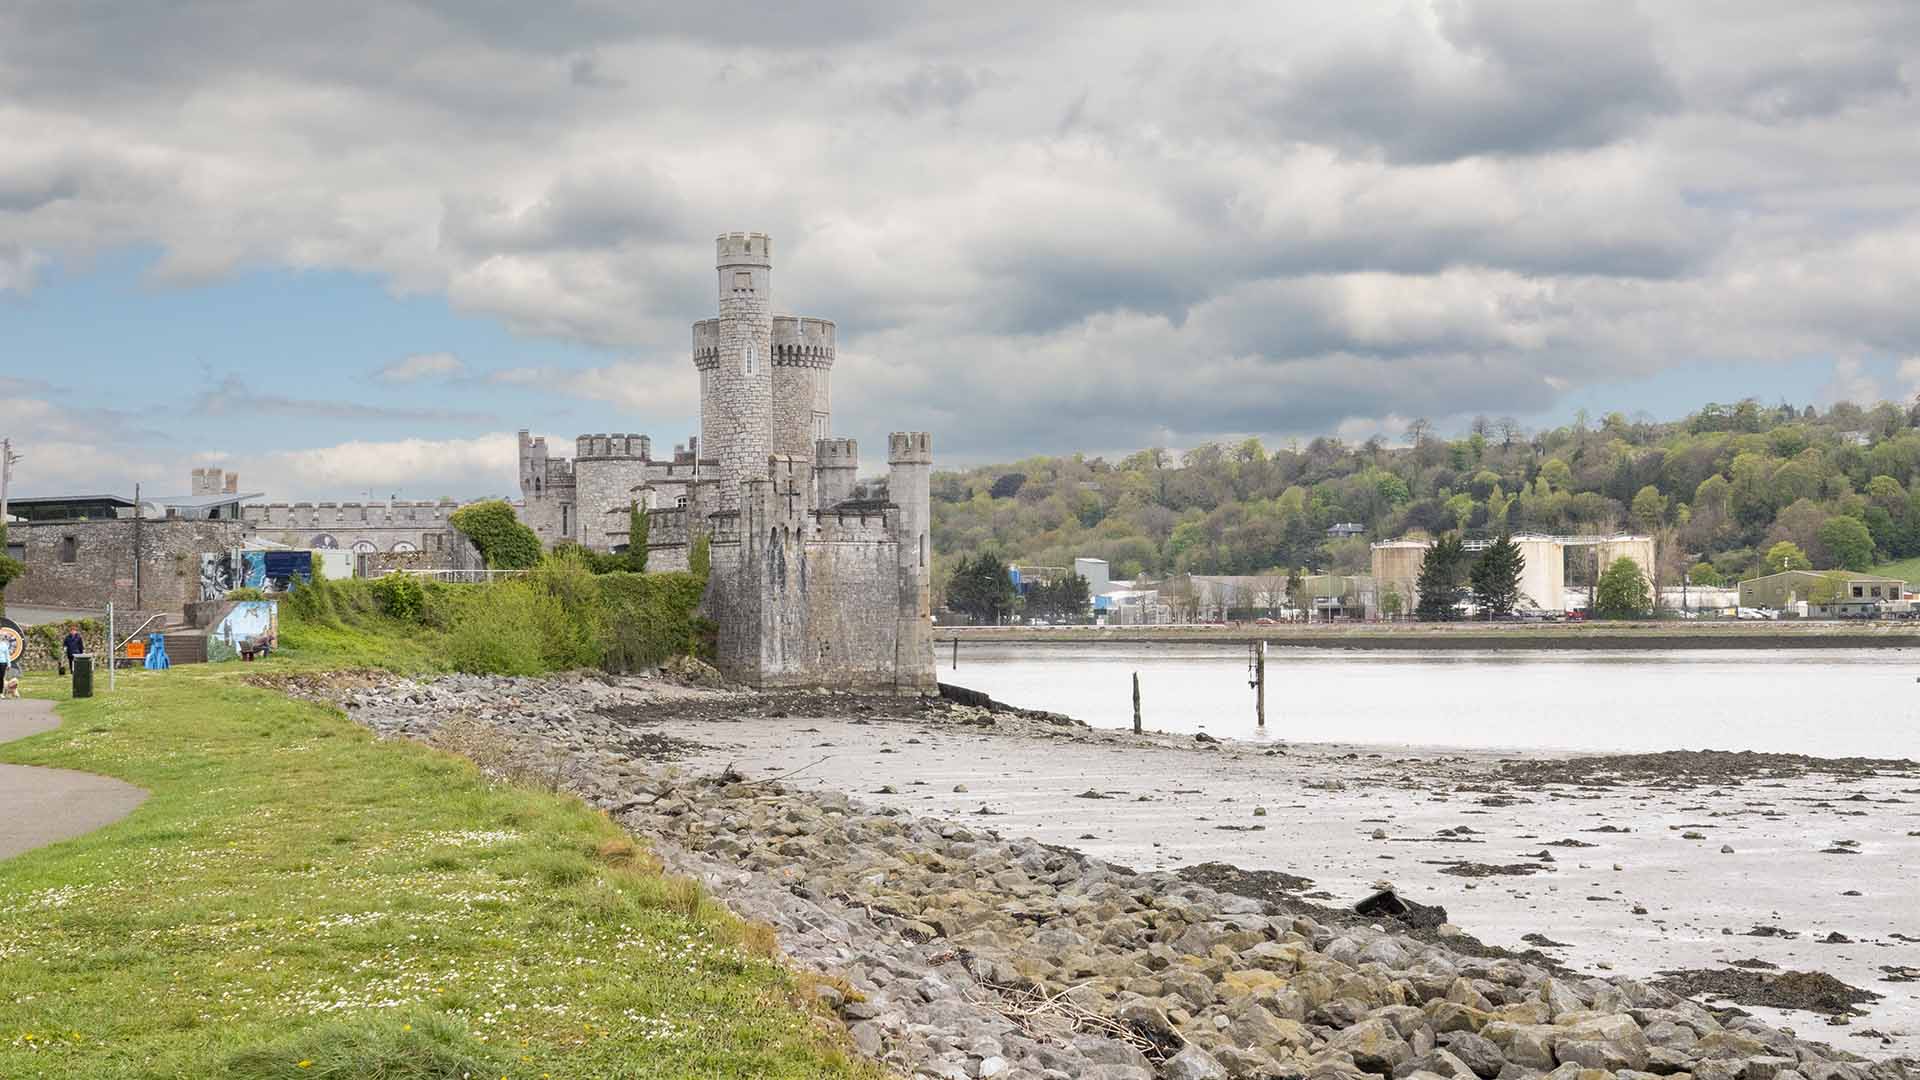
x=809 y=585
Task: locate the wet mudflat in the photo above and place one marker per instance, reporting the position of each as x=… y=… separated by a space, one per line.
x=1703 y=865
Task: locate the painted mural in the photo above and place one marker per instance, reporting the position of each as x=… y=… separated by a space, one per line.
x=249 y=628
x=270 y=571
x=216 y=575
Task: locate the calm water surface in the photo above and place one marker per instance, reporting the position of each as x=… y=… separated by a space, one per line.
x=1827 y=702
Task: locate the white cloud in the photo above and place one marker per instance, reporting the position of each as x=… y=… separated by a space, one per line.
x=1162 y=215
x=415 y=468
x=422 y=366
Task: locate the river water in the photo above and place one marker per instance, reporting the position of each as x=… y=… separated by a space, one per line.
x=1828 y=702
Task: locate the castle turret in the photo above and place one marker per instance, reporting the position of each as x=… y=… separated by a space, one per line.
x=735 y=356
x=910 y=486
x=802 y=367
x=836 y=466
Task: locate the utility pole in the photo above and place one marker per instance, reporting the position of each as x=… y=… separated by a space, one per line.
x=7 y=461
x=138 y=513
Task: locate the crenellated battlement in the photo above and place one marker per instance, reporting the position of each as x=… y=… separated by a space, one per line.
x=802 y=342
x=836 y=454
x=618 y=446
x=857 y=523
x=743 y=249
x=706 y=344
x=909 y=448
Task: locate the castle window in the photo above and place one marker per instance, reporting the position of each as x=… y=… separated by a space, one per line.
x=69 y=549
x=749 y=359
x=743 y=279
x=923 y=550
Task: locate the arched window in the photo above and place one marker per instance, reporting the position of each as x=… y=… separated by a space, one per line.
x=364 y=547
x=324 y=542
x=404 y=546
x=749 y=359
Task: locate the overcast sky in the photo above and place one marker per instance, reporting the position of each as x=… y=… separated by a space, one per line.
x=349 y=247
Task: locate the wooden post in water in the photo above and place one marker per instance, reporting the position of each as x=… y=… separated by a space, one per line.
x=1136 y=703
x=956 y=652
x=1260 y=683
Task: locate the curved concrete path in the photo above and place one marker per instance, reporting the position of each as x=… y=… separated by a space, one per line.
x=39 y=806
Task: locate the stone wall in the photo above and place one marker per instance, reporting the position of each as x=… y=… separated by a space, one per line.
x=352 y=526
x=604 y=493
x=86 y=564
x=909 y=487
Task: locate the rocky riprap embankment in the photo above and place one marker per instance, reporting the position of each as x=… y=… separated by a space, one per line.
x=963 y=954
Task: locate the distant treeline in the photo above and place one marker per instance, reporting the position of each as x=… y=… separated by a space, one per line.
x=1719 y=489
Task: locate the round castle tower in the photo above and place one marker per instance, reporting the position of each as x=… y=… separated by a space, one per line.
x=802 y=366
x=764 y=381
x=734 y=354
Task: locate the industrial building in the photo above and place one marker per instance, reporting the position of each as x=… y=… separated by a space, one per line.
x=1855 y=590
x=1543 y=579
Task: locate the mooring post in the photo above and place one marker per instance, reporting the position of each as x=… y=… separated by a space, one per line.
x=956 y=652
x=1136 y=703
x=1260 y=684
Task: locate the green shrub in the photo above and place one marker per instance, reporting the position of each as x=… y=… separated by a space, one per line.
x=246 y=592
x=9 y=568
x=650 y=617
x=400 y=596
x=700 y=559
x=496 y=530
x=498 y=630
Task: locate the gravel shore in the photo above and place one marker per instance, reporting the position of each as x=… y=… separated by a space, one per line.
x=1014 y=895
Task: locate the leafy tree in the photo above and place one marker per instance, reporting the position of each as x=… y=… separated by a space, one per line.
x=1439 y=581
x=496 y=530
x=1622 y=591
x=1786 y=555
x=1008 y=486
x=639 y=524
x=1848 y=542
x=1828 y=588
x=1649 y=508
x=981 y=587
x=1392 y=604
x=9 y=568
x=1296 y=590
x=1495 y=577
x=1067 y=598
x=1703 y=573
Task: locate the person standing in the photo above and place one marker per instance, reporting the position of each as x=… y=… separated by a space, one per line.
x=71 y=646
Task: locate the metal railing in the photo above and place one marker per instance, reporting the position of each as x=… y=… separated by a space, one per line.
x=463 y=577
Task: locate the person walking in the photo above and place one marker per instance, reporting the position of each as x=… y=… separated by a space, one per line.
x=71 y=646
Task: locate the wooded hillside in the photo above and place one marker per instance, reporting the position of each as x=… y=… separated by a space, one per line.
x=1721 y=486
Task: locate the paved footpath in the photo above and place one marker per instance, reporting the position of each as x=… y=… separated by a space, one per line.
x=39 y=806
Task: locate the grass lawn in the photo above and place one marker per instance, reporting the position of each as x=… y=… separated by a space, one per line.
x=1907 y=570
x=298 y=900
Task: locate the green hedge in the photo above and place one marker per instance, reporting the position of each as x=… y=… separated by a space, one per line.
x=560 y=616
x=43 y=641
x=651 y=617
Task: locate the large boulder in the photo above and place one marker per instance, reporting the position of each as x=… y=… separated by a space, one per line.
x=1374 y=1045
x=1527 y=1045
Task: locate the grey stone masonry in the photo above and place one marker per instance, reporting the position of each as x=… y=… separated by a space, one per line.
x=810 y=584
x=737 y=396
x=909 y=487
x=802 y=370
